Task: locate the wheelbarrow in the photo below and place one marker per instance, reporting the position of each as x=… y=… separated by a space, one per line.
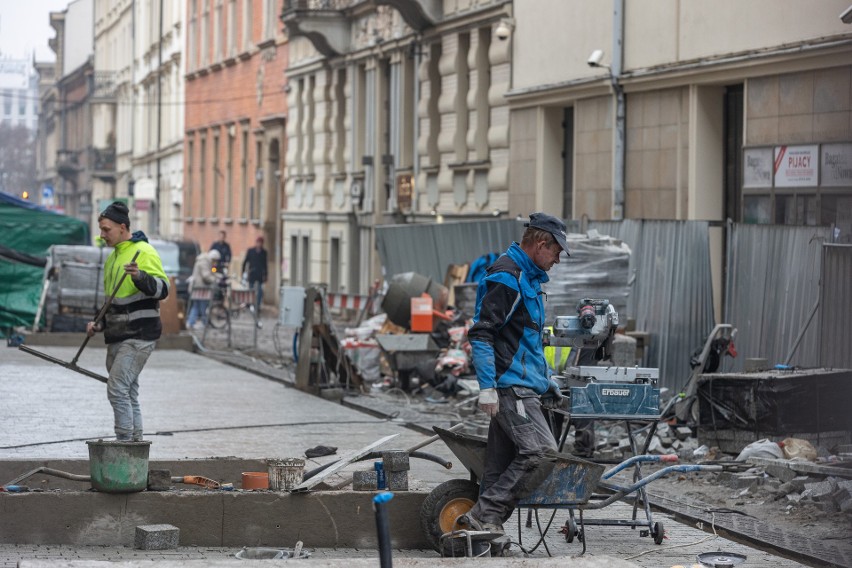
x=572 y=485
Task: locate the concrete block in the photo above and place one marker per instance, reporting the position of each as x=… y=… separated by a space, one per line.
x=666 y=441
x=820 y=491
x=396 y=460
x=845 y=505
x=364 y=481
x=159 y=480
x=397 y=480
x=739 y=480
x=156 y=537
x=683 y=432
x=785 y=474
x=755 y=364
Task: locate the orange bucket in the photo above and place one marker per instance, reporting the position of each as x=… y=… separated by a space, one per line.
x=255 y=480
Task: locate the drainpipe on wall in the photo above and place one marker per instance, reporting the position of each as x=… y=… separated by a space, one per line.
x=618 y=91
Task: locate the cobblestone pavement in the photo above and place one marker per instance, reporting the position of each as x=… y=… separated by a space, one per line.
x=197 y=407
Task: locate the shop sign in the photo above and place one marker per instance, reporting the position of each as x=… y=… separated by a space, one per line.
x=836 y=164
x=796 y=166
x=757 y=167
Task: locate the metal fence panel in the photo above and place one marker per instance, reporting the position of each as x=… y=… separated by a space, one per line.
x=429 y=248
x=671 y=296
x=835 y=311
x=771 y=290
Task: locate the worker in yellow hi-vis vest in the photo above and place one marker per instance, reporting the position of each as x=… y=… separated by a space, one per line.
x=558 y=359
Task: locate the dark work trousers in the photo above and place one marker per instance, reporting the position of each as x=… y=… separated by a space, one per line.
x=519 y=455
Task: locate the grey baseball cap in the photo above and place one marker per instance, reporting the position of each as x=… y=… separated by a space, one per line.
x=552 y=225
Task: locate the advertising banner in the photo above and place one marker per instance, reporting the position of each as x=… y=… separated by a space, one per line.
x=796 y=166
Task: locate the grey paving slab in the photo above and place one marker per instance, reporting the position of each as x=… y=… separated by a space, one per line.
x=192 y=406
x=195 y=407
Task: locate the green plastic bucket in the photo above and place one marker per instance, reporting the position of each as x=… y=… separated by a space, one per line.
x=118 y=467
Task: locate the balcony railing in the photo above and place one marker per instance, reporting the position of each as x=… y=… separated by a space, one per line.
x=67 y=163
x=290 y=5
x=103 y=162
x=103 y=84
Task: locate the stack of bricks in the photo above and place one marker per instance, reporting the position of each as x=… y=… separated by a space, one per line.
x=396 y=466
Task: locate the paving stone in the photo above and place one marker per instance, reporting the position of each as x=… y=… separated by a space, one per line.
x=364 y=480
x=397 y=480
x=785 y=474
x=156 y=537
x=821 y=490
x=683 y=432
x=159 y=480
x=396 y=460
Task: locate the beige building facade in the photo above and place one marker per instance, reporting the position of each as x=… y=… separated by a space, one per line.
x=710 y=111
x=418 y=111
x=713 y=94
x=396 y=114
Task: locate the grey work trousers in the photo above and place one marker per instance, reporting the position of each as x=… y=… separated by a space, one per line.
x=519 y=455
x=124 y=362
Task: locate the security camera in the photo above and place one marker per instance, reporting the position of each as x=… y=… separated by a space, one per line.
x=504 y=29
x=595 y=58
x=846 y=16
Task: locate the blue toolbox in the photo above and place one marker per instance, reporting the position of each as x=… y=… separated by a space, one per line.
x=615 y=393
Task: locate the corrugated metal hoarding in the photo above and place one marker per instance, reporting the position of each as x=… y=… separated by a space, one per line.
x=771 y=290
x=835 y=307
x=669 y=297
x=428 y=249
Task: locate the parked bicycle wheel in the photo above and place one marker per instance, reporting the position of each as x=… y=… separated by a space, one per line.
x=218 y=316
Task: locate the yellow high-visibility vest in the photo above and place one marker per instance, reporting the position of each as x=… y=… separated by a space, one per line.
x=554 y=354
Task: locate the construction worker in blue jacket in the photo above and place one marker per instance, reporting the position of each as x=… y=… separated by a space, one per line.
x=132 y=324
x=508 y=355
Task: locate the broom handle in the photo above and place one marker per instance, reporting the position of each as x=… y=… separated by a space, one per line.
x=103 y=309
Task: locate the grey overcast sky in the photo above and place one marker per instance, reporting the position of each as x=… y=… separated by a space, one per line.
x=25 y=27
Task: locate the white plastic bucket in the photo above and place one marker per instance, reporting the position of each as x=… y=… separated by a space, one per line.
x=285 y=474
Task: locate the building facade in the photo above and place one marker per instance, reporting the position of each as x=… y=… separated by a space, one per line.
x=65 y=158
x=113 y=33
x=153 y=125
x=236 y=55
x=396 y=114
x=18 y=93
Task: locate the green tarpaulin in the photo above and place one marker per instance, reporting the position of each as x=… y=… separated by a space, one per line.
x=26 y=232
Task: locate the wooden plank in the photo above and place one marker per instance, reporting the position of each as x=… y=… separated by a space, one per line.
x=456 y=274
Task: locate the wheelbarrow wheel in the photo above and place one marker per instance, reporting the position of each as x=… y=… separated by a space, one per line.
x=658 y=533
x=570 y=530
x=440 y=510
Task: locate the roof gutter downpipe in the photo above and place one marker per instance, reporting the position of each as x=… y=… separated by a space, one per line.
x=620 y=128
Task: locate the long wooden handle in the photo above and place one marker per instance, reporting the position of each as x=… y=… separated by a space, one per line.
x=103 y=310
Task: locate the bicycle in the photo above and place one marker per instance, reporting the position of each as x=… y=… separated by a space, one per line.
x=227 y=304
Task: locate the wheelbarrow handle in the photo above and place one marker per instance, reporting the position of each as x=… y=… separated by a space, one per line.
x=621 y=491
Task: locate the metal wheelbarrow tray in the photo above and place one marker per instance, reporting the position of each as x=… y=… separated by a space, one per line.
x=571 y=485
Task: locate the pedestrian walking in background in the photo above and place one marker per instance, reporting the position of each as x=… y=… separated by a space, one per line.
x=132 y=323
x=255 y=271
x=224 y=250
x=203 y=276
x=508 y=354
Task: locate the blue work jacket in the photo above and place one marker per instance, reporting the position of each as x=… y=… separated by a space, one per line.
x=506 y=337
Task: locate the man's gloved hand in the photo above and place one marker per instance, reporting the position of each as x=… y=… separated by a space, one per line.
x=552 y=397
x=488 y=402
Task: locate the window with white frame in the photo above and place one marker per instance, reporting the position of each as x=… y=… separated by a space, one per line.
x=248 y=9
x=232 y=28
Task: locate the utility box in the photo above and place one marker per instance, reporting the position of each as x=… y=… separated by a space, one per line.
x=421 y=314
x=291 y=308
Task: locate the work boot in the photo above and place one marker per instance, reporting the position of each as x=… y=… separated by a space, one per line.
x=478 y=525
